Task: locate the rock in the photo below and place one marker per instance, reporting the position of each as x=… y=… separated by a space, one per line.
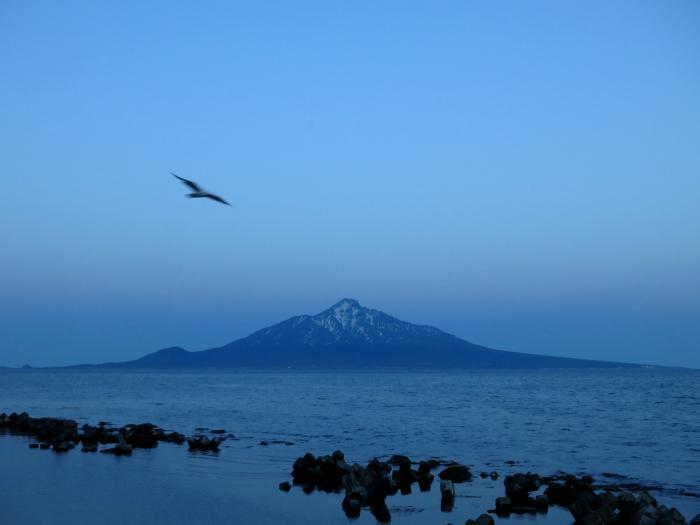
x=33 y=445
x=352 y=507
x=44 y=446
x=364 y=486
x=602 y=516
x=204 y=444
x=63 y=446
x=484 y=519
x=670 y=516
x=494 y=475
x=404 y=475
x=627 y=504
x=695 y=520
x=45 y=429
x=447 y=489
x=456 y=474
x=327 y=472
x=585 y=503
x=285 y=486
x=564 y=494
x=380 y=512
x=89 y=448
x=647 y=499
x=542 y=503
x=354 y=489
x=303 y=467
x=483 y=475
x=56 y=432
x=173 y=437
x=560 y=494
x=122 y=448
x=144 y=435
x=398 y=460
x=503 y=505
x=424 y=468
x=608 y=499
x=425 y=484
x=519 y=486
x=434 y=462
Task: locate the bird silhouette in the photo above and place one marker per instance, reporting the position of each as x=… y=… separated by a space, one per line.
x=198 y=192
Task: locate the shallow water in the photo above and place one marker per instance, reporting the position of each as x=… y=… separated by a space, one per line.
x=643 y=424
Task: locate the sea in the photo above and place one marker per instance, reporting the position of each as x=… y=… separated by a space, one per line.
x=619 y=425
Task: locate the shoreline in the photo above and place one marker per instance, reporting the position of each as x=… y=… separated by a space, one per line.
x=368 y=487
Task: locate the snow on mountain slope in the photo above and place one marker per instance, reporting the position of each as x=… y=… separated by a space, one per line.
x=347 y=321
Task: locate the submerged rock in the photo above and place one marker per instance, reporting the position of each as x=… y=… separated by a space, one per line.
x=204 y=444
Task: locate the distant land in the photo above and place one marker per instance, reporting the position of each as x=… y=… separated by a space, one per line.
x=348 y=335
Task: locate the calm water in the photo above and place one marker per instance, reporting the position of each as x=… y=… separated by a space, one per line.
x=643 y=424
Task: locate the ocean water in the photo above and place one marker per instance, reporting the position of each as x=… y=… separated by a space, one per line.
x=618 y=425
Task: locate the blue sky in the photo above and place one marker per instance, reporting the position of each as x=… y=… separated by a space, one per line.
x=525 y=175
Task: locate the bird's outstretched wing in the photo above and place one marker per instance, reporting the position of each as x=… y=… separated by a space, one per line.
x=188 y=183
x=216 y=198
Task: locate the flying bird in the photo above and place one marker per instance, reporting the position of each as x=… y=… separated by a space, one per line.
x=198 y=192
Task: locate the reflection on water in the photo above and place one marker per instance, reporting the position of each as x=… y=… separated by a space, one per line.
x=644 y=424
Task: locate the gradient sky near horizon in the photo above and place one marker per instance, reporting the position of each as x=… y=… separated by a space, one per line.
x=525 y=175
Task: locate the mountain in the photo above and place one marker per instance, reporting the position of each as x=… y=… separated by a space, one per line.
x=348 y=335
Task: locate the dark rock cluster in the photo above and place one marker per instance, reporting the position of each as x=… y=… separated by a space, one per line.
x=63 y=435
x=323 y=473
x=406 y=475
x=204 y=444
x=518 y=498
x=623 y=508
x=588 y=505
x=368 y=487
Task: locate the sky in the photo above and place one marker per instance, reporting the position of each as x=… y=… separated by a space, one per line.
x=525 y=175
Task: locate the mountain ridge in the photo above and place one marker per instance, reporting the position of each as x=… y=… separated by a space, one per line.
x=349 y=335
